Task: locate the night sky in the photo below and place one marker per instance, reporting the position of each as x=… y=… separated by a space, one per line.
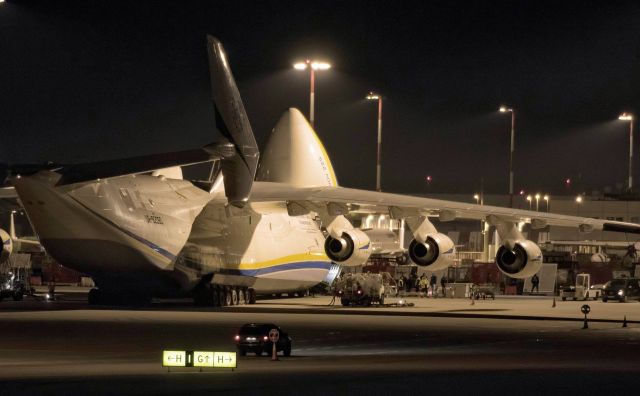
x=91 y=81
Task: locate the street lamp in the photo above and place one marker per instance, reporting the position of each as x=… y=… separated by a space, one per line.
x=579 y=200
x=529 y=199
x=374 y=96
x=629 y=117
x=504 y=109
x=546 y=199
x=477 y=198
x=537 y=202
x=313 y=66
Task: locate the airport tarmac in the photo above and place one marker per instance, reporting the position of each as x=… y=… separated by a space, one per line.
x=67 y=347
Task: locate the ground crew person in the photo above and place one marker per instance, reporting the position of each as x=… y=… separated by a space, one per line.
x=535 y=281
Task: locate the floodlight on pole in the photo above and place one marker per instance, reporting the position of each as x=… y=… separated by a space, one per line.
x=629 y=117
x=505 y=109
x=546 y=199
x=313 y=66
x=529 y=198
x=375 y=96
x=537 y=202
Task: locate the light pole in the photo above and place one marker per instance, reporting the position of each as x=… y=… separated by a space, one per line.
x=529 y=198
x=629 y=117
x=477 y=198
x=504 y=109
x=373 y=96
x=546 y=199
x=579 y=202
x=537 y=202
x=312 y=66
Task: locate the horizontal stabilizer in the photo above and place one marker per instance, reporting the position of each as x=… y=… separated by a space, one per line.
x=78 y=173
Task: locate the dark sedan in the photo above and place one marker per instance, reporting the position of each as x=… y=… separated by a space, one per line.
x=254 y=337
x=622 y=290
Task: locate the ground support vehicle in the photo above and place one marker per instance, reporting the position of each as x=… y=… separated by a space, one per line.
x=11 y=287
x=364 y=289
x=622 y=290
x=483 y=292
x=254 y=337
x=581 y=291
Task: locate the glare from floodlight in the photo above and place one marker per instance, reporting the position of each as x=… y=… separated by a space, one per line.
x=300 y=66
x=372 y=96
x=626 y=117
x=579 y=199
x=320 y=66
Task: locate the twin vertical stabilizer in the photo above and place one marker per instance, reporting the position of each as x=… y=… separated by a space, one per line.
x=294 y=155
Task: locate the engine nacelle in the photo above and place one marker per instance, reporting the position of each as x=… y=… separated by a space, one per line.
x=7 y=246
x=522 y=261
x=436 y=252
x=352 y=248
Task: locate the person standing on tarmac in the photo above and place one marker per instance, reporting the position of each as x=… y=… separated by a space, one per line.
x=535 y=281
x=443 y=284
x=433 y=282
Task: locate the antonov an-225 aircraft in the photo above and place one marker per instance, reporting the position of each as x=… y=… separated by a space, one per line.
x=140 y=230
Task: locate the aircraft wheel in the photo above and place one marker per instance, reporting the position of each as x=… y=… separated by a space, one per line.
x=242 y=299
x=252 y=296
x=247 y=295
x=227 y=296
x=235 y=298
x=215 y=296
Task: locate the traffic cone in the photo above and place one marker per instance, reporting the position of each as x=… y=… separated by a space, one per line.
x=554 y=303
x=624 y=322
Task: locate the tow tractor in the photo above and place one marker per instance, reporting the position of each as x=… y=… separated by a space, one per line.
x=11 y=287
x=364 y=289
x=582 y=289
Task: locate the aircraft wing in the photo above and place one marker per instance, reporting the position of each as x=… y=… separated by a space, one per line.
x=405 y=206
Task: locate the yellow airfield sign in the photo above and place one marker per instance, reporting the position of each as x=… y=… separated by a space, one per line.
x=174 y=358
x=224 y=359
x=199 y=359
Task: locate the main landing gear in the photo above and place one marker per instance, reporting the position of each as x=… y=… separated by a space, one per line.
x=224 y=296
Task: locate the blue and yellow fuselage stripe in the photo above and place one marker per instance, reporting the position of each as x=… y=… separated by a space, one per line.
x=305 y=261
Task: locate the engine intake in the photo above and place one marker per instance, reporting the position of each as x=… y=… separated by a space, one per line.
x=435 y=253
x=352 y=248
x=523 y=261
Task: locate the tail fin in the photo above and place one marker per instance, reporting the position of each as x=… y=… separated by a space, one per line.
x=295 y=155
x=239 y=170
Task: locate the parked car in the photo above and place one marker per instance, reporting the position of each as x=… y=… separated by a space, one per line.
x=254 y=337
x=623 y=290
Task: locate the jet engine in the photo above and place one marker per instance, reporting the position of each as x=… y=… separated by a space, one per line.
x=7 y=246
x=520 y=259
x=436 y=252
x=352 y=248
